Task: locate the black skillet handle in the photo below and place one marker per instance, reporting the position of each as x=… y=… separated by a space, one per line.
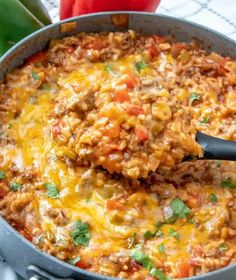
x=35 y=273
x=216 y=148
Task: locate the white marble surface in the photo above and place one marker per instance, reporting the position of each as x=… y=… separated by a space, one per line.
x=216 y=14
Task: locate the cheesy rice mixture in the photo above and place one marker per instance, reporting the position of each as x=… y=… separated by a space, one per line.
x=92 y=135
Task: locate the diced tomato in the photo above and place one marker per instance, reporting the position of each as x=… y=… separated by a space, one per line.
x=121 y=96
x=56 y=129
x=159 y=39
x=130 y=80
x=3 y=192
x=97 y=44
x=4 y=189
x=83 y=264
x=197 y=252
x=141 y=134
x=135 y=110
x=114 y=204
x=153 y=52
x=39 y=57
x=70 y=49
x=133 y=267
x=184 y=269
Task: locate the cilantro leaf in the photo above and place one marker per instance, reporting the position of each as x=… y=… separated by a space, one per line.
x=205 y=120
x=159 y=224
x=223 y=247
x=157 y=273
x=180 y=208
x=173 y=233
x=52 y=190
x=35 y=76
x=228 y=183
x=74 y=261
x=142 y=259
x=109 y=69
x=16 y=186
x=140 y=65
x=161 y=248
x=80 y=235
x=194 y=96
x=213 y=198
x=148 y=234
x=2 y=174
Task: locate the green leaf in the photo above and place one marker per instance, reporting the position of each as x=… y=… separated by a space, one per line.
x=2 y=174
x=213 y=198
x=228 y=183
x=161 y=248
x=223 y=247
x=141 y=258
x=172 y=219
x=194 y=96
x=159 y=233
x=159 y=224
x=35 y=76
x=80 y=235
x=45 y=87
x=74 y=261
x=52 y=190
x=180 y=208
x=173 y=233
x=16 y=186
x=205 y=120
x=148 y=234
x=157 y=273
x=140 y=65
x=109 y=69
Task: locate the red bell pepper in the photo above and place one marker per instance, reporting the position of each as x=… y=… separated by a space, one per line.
x=70 y=8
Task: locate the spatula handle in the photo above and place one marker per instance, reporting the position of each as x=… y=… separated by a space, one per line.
x=216 y=148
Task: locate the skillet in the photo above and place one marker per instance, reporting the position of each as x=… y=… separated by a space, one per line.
x=21 y=254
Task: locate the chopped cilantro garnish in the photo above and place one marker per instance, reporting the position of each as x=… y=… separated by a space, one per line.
x=173 y=233
x=140 y=65
x=157 y=273
x=74 y=261
x=148 y=234
x=161 y=248
x=2 y=174
x=223 y=247
x=109 y=69
x=172 y=219
x=142 y=259
x=205 y=120
x=228 y=183
x=45 y=86
x=194 y=96
x=159 y=224
x=147 y=263
x=35 y=76
x=52 y=190
x=16 y=186
x=180 y=208
x=80 y=235
x=159 y=233
x=213 y=198
x=191 y=221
